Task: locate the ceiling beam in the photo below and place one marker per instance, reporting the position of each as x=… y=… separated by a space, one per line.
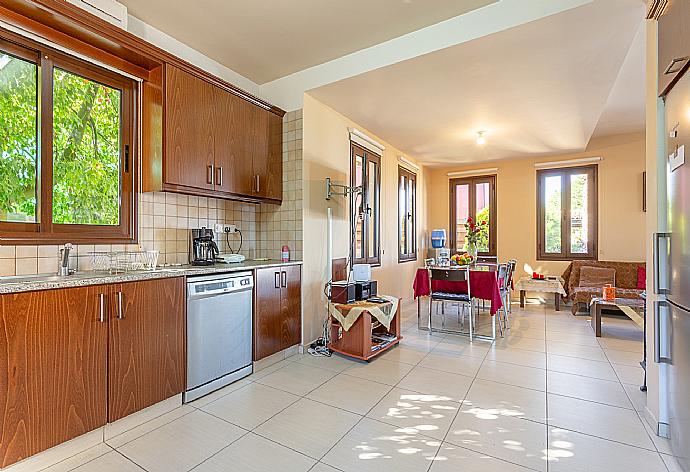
x=288 y=92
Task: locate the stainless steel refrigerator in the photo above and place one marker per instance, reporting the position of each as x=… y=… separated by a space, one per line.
x=672 y=277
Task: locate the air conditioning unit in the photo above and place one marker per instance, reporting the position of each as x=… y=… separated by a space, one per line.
x=108 y=10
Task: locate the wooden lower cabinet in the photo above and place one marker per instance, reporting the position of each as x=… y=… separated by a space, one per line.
x=71 y=361
x=277 y=309
x=146 y=345
x=53 y=369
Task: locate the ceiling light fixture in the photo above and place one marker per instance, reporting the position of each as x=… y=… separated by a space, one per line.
x=481 y=139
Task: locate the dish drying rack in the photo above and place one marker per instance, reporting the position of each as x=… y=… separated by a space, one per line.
x=116 y=262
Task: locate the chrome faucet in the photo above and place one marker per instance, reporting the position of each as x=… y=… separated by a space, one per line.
x=63 y=262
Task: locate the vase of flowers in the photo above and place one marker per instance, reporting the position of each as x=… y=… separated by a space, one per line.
x=473 y=230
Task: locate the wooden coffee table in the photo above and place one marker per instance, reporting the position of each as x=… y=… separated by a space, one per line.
x=632 y=308
x=528 y=284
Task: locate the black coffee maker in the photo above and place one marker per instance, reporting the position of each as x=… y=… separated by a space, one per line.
x=203 y=250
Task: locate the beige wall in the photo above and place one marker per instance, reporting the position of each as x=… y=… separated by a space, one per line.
x=326 y=153
x=621 y=220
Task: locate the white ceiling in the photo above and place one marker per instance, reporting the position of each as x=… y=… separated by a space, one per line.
x=267 y=39
x=539 y=88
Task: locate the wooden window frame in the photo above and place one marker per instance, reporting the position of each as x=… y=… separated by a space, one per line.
x=410 y=213
x=592 y=214
x=493 y=222
x=44 y=231
x=368 y=156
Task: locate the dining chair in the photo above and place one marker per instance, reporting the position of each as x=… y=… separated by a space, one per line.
x=461 y=299
x=503 y=274
x=512 y=265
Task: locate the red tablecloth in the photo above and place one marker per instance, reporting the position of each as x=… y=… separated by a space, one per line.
x=484 y=285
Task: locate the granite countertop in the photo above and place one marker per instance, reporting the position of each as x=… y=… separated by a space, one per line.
x=28 y=283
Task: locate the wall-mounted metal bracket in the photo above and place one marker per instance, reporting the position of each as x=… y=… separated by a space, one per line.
x=339 y=190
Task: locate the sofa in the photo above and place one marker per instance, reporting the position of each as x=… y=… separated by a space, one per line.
x=626 y=282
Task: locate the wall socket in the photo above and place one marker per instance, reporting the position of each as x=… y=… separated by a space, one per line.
x=218 y=229
x=230 y=229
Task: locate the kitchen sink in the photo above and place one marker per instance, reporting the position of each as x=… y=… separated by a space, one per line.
x=18 y=279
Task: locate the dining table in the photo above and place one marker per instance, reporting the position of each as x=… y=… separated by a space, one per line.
x=484 y=284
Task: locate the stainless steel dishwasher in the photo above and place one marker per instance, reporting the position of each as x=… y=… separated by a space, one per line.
x=219 y=331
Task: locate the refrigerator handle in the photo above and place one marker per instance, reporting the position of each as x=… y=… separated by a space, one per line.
x=662 y=324
x=661 y=272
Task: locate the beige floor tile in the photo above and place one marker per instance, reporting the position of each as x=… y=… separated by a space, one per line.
x=269 y=370
x=570 y=451
x=350 y=393
x=596 y=419
x=462 y=346
x=587 y=388
x=298 y=379
x=512 y=439
x=513 y=374
x=573 y=350
x=623 y=344
x=573 y=338
x=671 y=463
x=213 y=396
x=519 y=342
x=518 y=356
x=499 y=399
x=451 y=458
x=405 y=354
x=380 y=370
x=584 y=367
x=430 y=415
x=623 y=357
x=182 y=444
x=253 y=453
x=321 y=467
x=250 y=406
x=77 y=460
x=308 y=427
x=336 y=362
x=452 y=362
x=373 y=446
x=627 y=374
x=434 y=382
x=636 y=396
x=110 y=462
x=149 y=426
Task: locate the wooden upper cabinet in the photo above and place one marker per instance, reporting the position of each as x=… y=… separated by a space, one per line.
x=233 y=151
x=53 y=369
x=274 y=165
x=189 y=130
x=674 y=43
x=146 y=362
x=214 y=142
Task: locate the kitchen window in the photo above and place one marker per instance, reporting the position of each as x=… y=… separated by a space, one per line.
x=567 y=213
x=365 y=206
x=473 y=197
x=407 y=218
x=66 y=148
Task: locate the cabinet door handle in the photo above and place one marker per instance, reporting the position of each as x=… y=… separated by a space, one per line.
x=661 y=272
x=283 y=279
x=276 y=279
x=101 y=302
x=257 y=179
x=209 y=174
x=120 y=310
x=662 y=348
x=219 y=177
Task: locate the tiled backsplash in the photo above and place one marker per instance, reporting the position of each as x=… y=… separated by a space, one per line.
x=282 y=225
x=166 y=218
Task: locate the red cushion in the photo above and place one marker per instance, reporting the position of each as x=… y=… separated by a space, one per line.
x=641 y=278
